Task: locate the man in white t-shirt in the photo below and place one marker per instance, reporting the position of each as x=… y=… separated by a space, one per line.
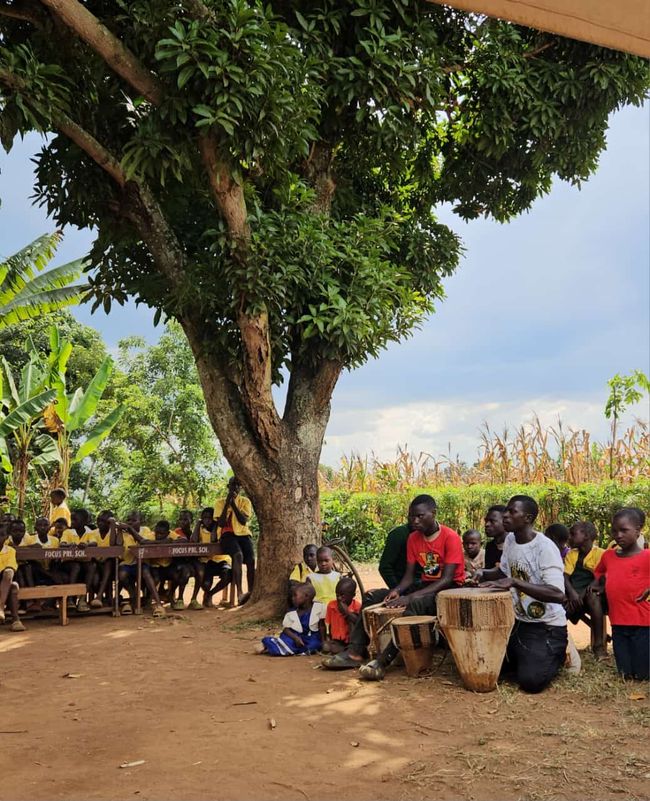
x=531 y=568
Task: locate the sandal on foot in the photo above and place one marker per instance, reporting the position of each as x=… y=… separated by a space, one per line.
x=17 y=626
x=194 y=604
x=96 y=604
x=158 y=611
x=373 y=671
x=342 y=661
x=82 y=606
x=177 y=606
x=126 y=609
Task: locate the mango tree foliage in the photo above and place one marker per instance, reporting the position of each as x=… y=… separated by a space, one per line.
x=163 y=451
x=267 y=174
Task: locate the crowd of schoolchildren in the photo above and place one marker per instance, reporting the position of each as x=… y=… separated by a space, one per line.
x=420 y=558
x=164 y=578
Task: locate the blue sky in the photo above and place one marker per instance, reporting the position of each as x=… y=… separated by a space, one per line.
x=542 y=311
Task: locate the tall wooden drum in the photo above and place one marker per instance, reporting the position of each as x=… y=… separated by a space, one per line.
x=477 y=624
x=416 y=638
x=376 y=622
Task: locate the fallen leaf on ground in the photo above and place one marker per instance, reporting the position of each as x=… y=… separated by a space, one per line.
x=132 y=764
x=354 y=744
x=637 y=697
x=272 y=723
x=244 y=703
x=72 y=675
x=250 y=678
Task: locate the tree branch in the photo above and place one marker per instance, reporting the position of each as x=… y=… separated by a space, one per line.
x=108 y=46
x=26 y=11
x=227 y=194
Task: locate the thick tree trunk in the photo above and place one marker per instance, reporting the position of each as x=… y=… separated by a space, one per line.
x=278 y=473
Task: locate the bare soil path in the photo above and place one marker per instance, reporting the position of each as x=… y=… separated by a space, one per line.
x=187 y=696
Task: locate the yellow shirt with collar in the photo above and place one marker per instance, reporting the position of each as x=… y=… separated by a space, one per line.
x=129 y=541
x=205 y=537
x=166 y=560
x=59 y=511
x=301 y=572
x=94 y=537
x=590 y=562
x=244 y=506
x=8 y=557
x=69 y=537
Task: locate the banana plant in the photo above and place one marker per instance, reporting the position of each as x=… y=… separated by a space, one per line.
x=68 y=415
x=23 y=444
x=24 y=295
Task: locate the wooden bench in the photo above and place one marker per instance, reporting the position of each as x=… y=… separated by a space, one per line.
x=62 y=591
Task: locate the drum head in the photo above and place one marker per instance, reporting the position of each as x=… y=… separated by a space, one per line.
x=414 y=620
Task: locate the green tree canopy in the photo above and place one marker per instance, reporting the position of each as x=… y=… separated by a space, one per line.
x=267 y=174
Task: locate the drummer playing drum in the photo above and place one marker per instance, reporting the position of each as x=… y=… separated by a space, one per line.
x=434 y=549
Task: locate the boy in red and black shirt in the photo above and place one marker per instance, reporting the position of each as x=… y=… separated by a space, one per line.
x=434 y=549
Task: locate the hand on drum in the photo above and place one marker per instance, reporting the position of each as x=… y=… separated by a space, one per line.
x=396 y=601
x=499 y=584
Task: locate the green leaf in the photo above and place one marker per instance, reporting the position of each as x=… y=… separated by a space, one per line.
x=98 y=434
x=26 y=412
x=85 y=408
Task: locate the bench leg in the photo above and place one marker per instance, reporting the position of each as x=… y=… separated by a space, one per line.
x=63 y=611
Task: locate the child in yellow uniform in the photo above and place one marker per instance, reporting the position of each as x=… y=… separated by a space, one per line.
x=186 y=567
x=68 y=571
x=303 y=569
x=325 y=581
x=232 y=514
x=164 y=568
x=217 y=565
x=579 y=566
x=38 y=571
x=59 y=507
x=99 y=571
x=8 y=587
x=131 y=533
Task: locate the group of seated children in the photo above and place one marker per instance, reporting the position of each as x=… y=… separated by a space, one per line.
x=163 y=578
x=323 y=608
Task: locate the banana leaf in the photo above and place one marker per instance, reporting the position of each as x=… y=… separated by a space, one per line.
x=25 y=412
x=10 y=382
x=49 y=451
x=81 y=411
x=5 y=461
x=32 y=378
x=98 y=434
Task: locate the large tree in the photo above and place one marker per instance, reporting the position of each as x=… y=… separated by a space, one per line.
x=267 y=173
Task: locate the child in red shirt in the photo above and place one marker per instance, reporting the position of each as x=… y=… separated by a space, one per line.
x=341 y=615
x=624 y=573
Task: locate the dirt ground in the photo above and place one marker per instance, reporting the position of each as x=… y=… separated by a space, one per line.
x=208 y=719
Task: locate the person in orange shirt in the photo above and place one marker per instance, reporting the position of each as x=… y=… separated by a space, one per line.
x=340 y=616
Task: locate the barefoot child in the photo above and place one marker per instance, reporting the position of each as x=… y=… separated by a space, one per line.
x=104 y=536
x=474 y=554
x=341 y=615
x=301 y=626
x=624 y=573
x=579 y=566
x=326 y=579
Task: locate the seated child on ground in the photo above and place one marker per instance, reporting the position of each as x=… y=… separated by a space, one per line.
x=301 y=633
x=326 y=579
x=579 y=566
x=341 y=615
x=303 y=569
x=560 y=536
x=8 y=587
x=624 y=573
x=474 y=554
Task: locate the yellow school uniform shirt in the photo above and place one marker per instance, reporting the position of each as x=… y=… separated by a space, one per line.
x=69 y=537
x=31 y=540
x=205 y=537
x=34 y=540
x=325 y=585
x=301 y=572
x=8 y=557
x=146 y=533
x=590 y=561
x=244 y=506
x=61 y=510
x=94 y=537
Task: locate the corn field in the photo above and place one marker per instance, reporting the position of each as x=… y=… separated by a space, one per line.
x=530 y=454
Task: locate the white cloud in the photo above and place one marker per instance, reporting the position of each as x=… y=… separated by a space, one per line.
x=432 y=428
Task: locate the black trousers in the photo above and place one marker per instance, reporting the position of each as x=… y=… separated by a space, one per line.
x=632 y=651
x=535 y=654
